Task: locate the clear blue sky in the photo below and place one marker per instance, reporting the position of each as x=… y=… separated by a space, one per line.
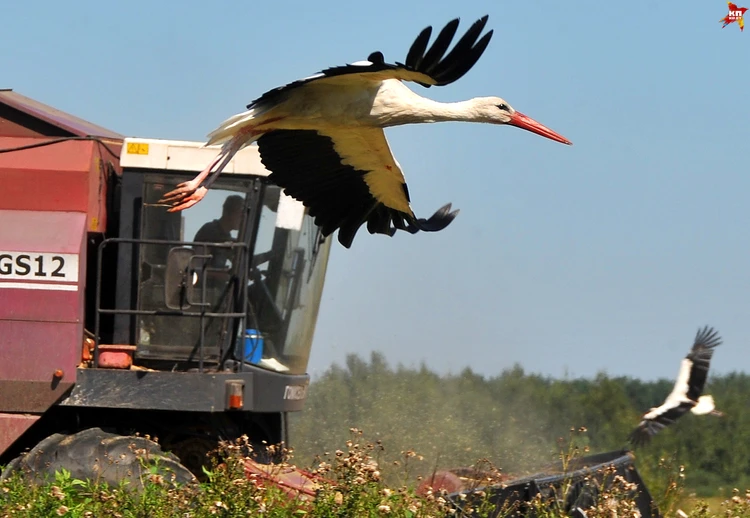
x=604 y=256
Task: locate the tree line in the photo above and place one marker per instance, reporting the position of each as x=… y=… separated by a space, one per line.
x=520 y=421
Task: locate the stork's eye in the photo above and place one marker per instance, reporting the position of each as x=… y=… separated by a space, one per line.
x=503 y=107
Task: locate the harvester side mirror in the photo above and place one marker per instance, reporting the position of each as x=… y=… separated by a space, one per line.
x=179 y=278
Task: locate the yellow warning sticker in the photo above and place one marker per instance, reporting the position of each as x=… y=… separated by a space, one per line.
x=137 y=148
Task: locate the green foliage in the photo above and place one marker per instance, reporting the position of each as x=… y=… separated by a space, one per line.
x=515 y=420
x=349 y=485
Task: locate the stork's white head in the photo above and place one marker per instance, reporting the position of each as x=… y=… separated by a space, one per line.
x=495 y=110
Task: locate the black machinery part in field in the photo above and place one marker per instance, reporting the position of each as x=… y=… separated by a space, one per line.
x=585 y=478
x=100 y=456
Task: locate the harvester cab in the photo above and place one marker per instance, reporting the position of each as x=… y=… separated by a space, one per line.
x=231 y=285
x=119 y=318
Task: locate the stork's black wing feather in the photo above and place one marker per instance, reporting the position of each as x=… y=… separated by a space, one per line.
x=306 y=165
x=461 y=58
x=426 y=66
x=432 y=57
x=647 y=428
x=459 y=68
x=416 y=52
x=700 y=355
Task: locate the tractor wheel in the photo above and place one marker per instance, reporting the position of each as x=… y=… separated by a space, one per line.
x=195 y=454
x=101 y=457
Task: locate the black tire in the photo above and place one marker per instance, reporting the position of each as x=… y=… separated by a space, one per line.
x=101 y=457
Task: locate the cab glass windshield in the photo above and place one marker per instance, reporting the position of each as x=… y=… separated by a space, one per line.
x=285 y=268
x=285 y=283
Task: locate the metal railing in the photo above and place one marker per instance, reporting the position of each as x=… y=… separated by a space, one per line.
x=238 y=274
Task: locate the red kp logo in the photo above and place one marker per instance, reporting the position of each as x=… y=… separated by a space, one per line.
x=736 y=14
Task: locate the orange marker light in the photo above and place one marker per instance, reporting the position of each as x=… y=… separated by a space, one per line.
x=235 y=394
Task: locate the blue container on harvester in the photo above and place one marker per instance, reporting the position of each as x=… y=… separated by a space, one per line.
x=253 y=346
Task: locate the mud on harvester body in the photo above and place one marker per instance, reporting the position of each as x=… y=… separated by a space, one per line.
x=113 y=317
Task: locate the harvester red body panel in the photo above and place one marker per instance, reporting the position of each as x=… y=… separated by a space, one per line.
x=52 y=196
x=37 y=310
x=28 y=117
x=64 y=177
x=42 y=273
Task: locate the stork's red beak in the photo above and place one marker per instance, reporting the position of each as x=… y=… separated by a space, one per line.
x=520 y=120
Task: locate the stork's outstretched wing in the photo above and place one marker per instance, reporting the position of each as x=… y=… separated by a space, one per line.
x=700 y=355
x=656 y=420
x=346 y=178
x=425 y=66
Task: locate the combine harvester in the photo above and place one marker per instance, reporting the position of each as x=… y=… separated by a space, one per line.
x=112 y=318
x=120 y=321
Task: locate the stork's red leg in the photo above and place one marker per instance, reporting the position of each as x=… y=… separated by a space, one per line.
x=189 y=193
x=188 y=200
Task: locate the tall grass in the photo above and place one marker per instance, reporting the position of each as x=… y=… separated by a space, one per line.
x=351 y=482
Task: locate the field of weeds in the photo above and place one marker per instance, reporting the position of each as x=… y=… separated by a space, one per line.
x=352 y=483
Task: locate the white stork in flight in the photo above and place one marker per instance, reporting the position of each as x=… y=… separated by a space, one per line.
x=686 y=394
x=322 y=137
